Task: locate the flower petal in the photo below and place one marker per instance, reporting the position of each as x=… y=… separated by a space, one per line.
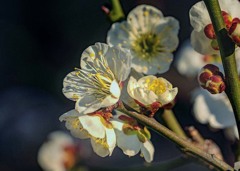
x=232 y=133
x=105 y=58
x=144 y=17
x=99 y=149
x=73 y=124
x=93 y=125
x=119 y=35
x=88 y=104
x=199 y=16
x=129 y=144
x=147 y=149
x=168 y=96
x=72 y=86
x=209 y=108
x=188 y=61
x=170 y=27
x=201 y=43
x=111 y=139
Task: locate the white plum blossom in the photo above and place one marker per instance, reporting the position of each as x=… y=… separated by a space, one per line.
x=200 y=20
x=214 y=110
x=151 y=91
x=150 y=36
x=98 y=83
x=96 y=126
x=189 y=62
x=132 y=138
x=58 y=153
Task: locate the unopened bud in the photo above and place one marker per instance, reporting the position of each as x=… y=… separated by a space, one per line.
x=234 y=31
x=214 y=44
x=211 y=78
x=227 y=19
x=209 y=31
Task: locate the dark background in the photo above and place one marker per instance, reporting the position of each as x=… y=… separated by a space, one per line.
x=40 y=42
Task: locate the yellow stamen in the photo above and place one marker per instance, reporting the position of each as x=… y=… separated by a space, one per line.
x=157 y=86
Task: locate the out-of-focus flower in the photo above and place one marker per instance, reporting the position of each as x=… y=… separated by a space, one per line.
x=214 y=110
x=150 y=36
x=96 y=126
x=58 y=153
x=203 y=37
x=189 y=62
x=212 y=79
x=131 y=137
x=151 y=92
x=98 y=83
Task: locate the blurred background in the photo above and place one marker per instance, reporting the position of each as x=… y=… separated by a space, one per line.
x=41 y=42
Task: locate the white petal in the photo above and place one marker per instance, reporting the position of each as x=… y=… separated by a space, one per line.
x=147 y=149
x=168 y=96
x=88 y=104
x=200 y=109
x=231 y=133
x=117 y=124
x=126 y=98
x=109 y=101
x=158 y=64
x=99 y=149
x=143 y=17
x=231 y=7
x=119 y=35
x=188 y=62
x=145 y=96
x=169 y=27
x=132 y=84
x=213 y=110
x=73 y=124
x=70 y=114
x=119 y=61
x=114 y=58
x=111 y=139
x=93 y=54
x=201 y=43
x=115 y=89
x=129 y=144
x=93 y=125
x=72 y=86
x=199 y=16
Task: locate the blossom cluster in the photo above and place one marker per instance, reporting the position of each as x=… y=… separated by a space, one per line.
x=146 y=38
x=122 y=74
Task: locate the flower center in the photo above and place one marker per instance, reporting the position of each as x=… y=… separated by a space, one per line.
x=147 y=45
x=99 y=84
x=156 y=85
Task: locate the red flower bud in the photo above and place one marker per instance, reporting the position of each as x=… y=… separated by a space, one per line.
x=209 y=31
x=227 y=19
x=211 y=78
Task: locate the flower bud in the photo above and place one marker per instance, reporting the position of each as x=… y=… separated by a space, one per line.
x=211 y=78
x=234 y=31
x=209 y=31
x=227 y=19
x=214 y=44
